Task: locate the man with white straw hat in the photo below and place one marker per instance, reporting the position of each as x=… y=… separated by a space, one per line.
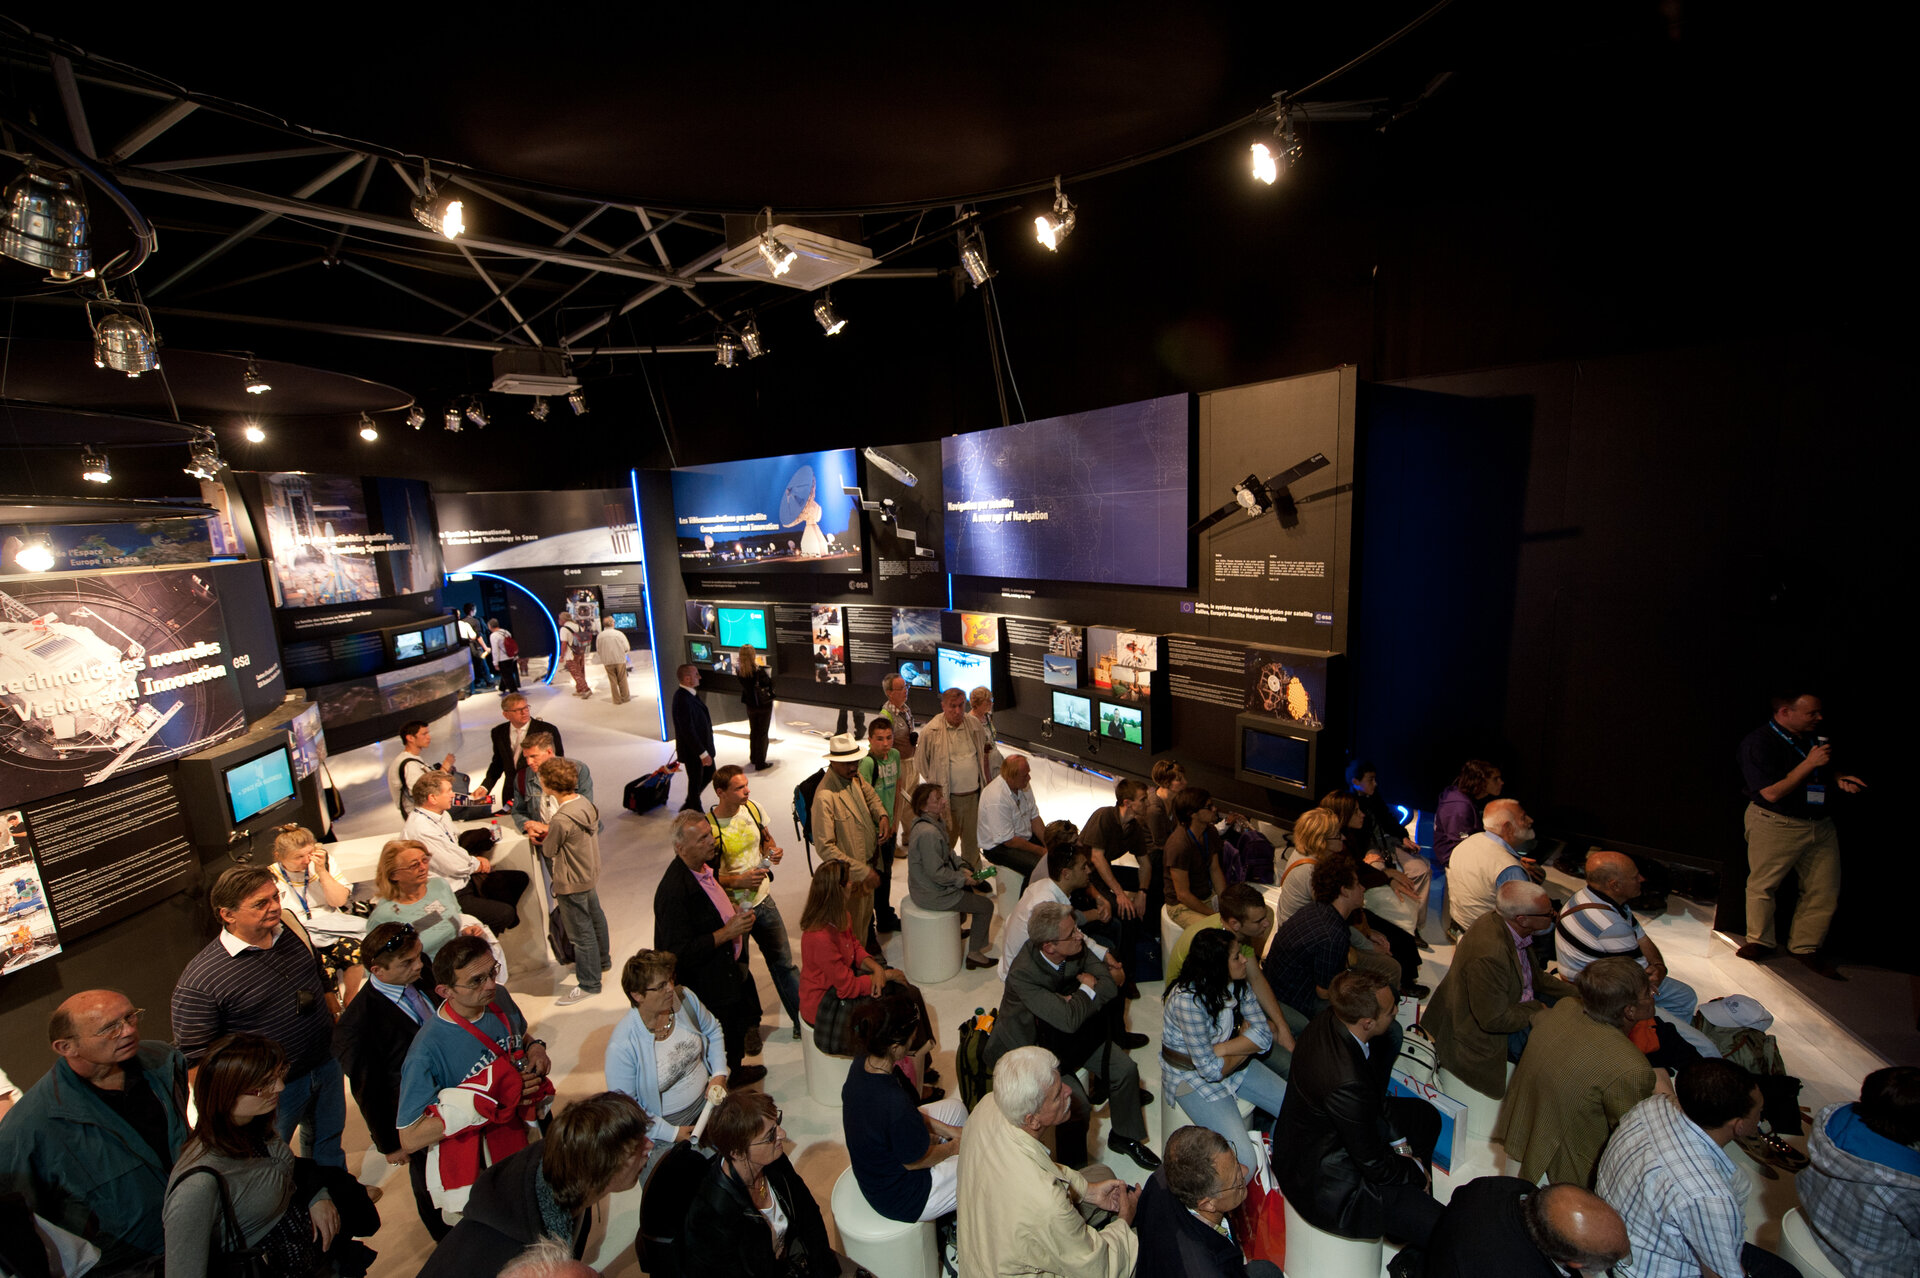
x=850 y=823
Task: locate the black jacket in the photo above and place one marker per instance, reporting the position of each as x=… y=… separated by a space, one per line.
x=504 y=764
x=371 y=1041
x=1174 y=1244
x=502 y=1217
x=756 y=692
x=692 y=726
x=1332 y=1144
x=1484 y=1231
x=684 y=921
x=727 y=1237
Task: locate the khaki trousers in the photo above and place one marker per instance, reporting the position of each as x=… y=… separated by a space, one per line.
x=1781 y=845
x=617 y=681
x=963 y=823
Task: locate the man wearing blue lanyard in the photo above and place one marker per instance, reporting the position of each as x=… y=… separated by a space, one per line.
x=1785 y=770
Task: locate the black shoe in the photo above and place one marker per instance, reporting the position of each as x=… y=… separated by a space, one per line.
x=932 y=1094
x=1146 y=1098
x=1754 y=952
x=932 y=1076
x=974 y=964
x=754 y=1043
x=1455 y=931
x=1130 y=1040
x=1415 y=991
x=1136 y=1150
x=1130 y=991
x=746 y=1075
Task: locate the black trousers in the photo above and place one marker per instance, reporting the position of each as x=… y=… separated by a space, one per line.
x=699 y=775
x=1410 y=1211
x=509 y=672
x=885 y=917
x=430 y=1216
x=758 y=721
x=1405 y=950
x=493 y=898
x=1018 y=860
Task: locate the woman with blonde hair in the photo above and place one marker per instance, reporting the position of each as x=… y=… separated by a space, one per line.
x=411 y=893
x=310 y=893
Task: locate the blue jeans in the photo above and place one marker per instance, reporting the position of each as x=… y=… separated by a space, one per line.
x=315 y=1104
x=586 y=926
x=1677 y=1000
x=770 y=934
x=1257 y=1084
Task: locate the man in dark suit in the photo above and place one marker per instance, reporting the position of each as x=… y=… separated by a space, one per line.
x=1059 y=997
x=692 y=736
x=1182 y=1208
x=372 y=1039
x=1510 y=1227
x=688 y=923
x=507 y=739
x=1351 y=1159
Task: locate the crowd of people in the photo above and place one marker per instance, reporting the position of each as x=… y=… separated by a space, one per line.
x=1284 y=999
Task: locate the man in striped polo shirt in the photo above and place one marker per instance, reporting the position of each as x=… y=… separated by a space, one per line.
x=257 y=977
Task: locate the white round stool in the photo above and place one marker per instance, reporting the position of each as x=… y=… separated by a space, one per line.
x=934 y=948
x=885 y=1246
x=1169 y=933
x=825 y=1074
x=1482 y=1109
x=1799 y=1247
x=1324 y=1255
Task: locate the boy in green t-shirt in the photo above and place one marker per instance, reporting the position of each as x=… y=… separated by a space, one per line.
x=881 y=770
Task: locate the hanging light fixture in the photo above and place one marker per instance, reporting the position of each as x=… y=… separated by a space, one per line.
x=437 y=212
x=367 y=431
x=477 y=412
x=203 y=460
x=725 y=350
x=416 y=417
x=577 y=401
x=973 y=258
x=1272 y=159
x=750 y=339
x=539 y=410
x=123 y=341
x=37 y=557
x=453 y=418
x=253 y=381
x=93 y=466
x=47 y=222
x=779 y=257
x=1051 y=228
x=830 y=319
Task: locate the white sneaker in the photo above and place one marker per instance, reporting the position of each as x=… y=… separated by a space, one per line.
x=572 y=996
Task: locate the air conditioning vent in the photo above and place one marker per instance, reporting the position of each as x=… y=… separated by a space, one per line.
x=532 y=372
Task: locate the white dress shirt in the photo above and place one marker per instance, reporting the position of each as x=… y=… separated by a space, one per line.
x=1014 y=938
x=1006 y=813
x=448 y=859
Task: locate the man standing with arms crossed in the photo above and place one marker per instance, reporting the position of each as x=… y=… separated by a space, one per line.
x=953 y=755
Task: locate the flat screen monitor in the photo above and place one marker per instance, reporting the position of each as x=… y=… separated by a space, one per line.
x=259 y=785
x=964 y=670
x=918 y=673
x=1278 y=759
x=437 y=639
x=626 y=620
x=769 y=514
x=1122 y=723
x=1070 y=711
x=743 y=625
x=700 y=651
x=1062 y=672
x=409 y=644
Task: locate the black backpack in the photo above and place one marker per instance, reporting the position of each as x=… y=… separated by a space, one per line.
x=803 y=812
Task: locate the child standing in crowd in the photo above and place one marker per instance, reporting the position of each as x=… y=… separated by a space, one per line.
x=572 y=849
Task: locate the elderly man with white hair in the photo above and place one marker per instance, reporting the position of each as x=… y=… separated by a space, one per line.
x=1496 y=986
x=1596 y=923
x=1021 y=1212
x=1483 y=862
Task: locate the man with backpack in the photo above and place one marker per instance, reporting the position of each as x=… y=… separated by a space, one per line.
x=745 y=854
x=506 y=656
x=573 y=653
x=410 y=764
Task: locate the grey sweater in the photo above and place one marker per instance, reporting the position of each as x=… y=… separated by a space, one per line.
x=572 y=847
x=261 y=1190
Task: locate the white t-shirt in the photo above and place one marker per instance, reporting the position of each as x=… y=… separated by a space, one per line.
x=1014 y=938
x=400 y=779
x=680 y=1068
x=497 y=641
x=1006 y=813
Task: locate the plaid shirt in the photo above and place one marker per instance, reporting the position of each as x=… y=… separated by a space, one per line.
x=1682 y=1198
x=1189 y=1029
x=1309 y=951
x=1866 y=1215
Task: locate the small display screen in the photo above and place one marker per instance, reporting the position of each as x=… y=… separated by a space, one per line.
x=964 y=670
x=918 y=674
x=743 y=625
x=408 y=645
x=1070 y=711
x=1063 y=672
x=259 y=784
x=437 y=639
x=1122 y=723
x=626 y=620
x=1270 y=754
x=700 y=651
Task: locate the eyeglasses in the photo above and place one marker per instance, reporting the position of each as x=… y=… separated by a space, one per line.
x=113 y=1027
x=1240 y=1180
x=400 y=940
x=655 y=989
x=772 y=1137
x=485 y=978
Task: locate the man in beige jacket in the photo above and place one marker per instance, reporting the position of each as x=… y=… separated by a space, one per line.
x=849 y=824
x=1020 y=1212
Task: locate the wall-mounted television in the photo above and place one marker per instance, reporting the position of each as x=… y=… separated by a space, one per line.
x=958 y=668
x=743 y=625
x=410 y=644
x=1122 y=723
x=700 y=651
x=769 y=514
x=437 y=638
x=625 y=620
x=1275 y=755
x=1070 y=711
x=1061 y=672
x=917 y=672
x=259 y=784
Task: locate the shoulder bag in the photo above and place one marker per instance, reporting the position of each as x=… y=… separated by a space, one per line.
x=288 y=1250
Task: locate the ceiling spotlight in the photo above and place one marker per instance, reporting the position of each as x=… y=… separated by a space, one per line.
x=367 y=432
x=1271 y=159
x=751 y=340
x=37 y=557
x=780 y=258
x=254 y=382
x=725 y=351
x=416 y=417
x=477 y=412
x=577 y=401
x=437 y=212
x=123 y=342
x=254 y=434
x=973 y=259
x=47 y=222
x=203 y=460
x=829 y=318
x=539 y=410
x=93 y=466
x=1051 y=228
x=453 y=418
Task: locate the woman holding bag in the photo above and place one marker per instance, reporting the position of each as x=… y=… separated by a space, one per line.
x=756 y=694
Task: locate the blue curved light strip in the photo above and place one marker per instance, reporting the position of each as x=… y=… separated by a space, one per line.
x=553 y=667
x=653 y=648
x=1402 y=811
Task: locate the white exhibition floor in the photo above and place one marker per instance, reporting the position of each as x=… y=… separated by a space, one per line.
x=622 y=742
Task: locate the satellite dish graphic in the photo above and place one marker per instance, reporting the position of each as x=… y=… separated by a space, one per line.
x=800 y=490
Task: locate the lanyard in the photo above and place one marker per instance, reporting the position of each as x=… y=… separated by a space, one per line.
x=305 y=909
x=1788 y=738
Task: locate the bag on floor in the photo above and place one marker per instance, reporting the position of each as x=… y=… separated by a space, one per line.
x=1260 y=1222
x=644 y=794
x=973 y=1076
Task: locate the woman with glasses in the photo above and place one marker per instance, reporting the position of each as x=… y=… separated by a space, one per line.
x=666 y=1052
x=310 y=893
x=1378 y=945
x=411 y=893
x=238 y=1186
x=902 y=1151
x=1214 y=1033
x=753 y=1216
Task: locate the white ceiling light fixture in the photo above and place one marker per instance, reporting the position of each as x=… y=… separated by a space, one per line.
x=725 y=351
x=254 y=434
x=750 y=339
x=47 y=222
x=1271 y=160
x=123 y=340
x=477 y=412
x=437 y=212
x=37 y=557
x=973 y=258
x=577 y=401
x=817 y=259
x=416 y=417
x=93 y=466
x=367 y=431
x=539 y=410
x=1051 y=228
x=830 y=319
x=253 y=381
x=774 y=251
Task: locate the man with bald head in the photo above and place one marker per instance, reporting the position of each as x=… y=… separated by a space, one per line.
x=1507 y=1226
x=1012 y=835
x=1597 y=924
x=91 y=1145
x=1497 y=984
x=1481 y=863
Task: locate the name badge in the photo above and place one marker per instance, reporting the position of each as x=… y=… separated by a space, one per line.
x=1816 y=796
x=434 y=908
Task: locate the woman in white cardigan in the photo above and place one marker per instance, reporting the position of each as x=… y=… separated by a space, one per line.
x=665 y=1052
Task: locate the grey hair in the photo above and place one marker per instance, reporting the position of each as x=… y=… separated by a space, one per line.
x=1508 y=812
x=685 y=826
x=888 y=680
x=545 y=1257
x=1044 y=923
x=1515 y=899
x=1022 y=1080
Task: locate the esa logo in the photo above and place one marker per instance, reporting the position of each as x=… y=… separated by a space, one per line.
x=570 y=572
x=242 y=660
x=860 y=585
